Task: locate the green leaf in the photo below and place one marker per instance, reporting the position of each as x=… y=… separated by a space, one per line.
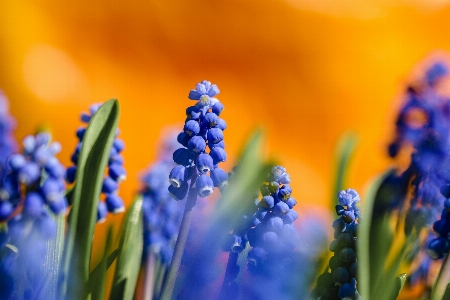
x=252 y=172
x=130 y=254
x=365 y=241
x=447 y=293
x=97 y=272
x=399 y=283
x=375 y=239
x=345 y=149
x=97 y=277
x=97 y=142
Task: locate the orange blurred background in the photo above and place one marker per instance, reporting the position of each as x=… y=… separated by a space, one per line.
x=307 y=71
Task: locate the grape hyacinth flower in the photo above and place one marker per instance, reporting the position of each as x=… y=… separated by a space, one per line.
x=203 y=129
x=162 y=214
x=267 y=228
x=424 y=124
x=162 y=218
x=439 y=247
x=31 y=190
x=37 y=173
x=340 y=282
x=8 y=144
x=116 y=172
x=273 y=235
x=197 y=172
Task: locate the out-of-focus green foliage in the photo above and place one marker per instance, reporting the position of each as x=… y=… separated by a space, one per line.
x=343 y=154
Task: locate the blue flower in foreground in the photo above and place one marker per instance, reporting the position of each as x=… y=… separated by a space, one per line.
x=32 y=189
x=202 y=131
x=8 y=144
x=273 y=235
x=40 y=173
x=266 y=230
x=340 y=282
x=116 y=172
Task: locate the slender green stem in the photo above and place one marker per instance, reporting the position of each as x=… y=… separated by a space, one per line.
x=442 y=280
x=160 y=275
x=149 y=276
x=181 y=241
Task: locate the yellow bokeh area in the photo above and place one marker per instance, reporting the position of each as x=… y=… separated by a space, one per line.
x=306 y=71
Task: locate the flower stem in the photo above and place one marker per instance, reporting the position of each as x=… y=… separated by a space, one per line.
x=179 y=246
x=149 y=276
x=442 y=280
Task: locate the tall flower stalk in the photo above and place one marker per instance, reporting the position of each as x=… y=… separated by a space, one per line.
x=202 y=129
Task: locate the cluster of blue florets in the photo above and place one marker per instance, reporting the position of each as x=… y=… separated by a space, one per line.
x=8 y=144
x=162 y=214
x=340 y=281
x=202 y=129
x=273 y=235
x=116 y=172
x=424 y=123
x=34 y=178
x=439 y=246
x=32 y=188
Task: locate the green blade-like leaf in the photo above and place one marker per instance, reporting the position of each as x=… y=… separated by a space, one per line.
x=252 y=171
x=376 y=238
x=97 y=277
x=364 y=239
x=130 y=254
x=447 y=293
x=399 y=283
x=343 y=154
x=97 y=142
x=97 y=272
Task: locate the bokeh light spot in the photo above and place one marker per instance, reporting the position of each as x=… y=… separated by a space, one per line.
x=51 y=74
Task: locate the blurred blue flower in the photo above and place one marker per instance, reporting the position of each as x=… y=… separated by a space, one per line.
x=31 y=190
x=424 y=123
x=8 y=144
x=162 y=214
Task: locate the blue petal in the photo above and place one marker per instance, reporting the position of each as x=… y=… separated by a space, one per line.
x=213 y=90
x=201 y=88
x=194 y=95
x=207 y=84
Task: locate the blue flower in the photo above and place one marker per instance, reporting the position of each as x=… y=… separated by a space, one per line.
x=8 y=144
x=340 y=281
x=204 y=186
x=162 y=214
x=203 y=92
x=31 y=187
x=203 y=129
